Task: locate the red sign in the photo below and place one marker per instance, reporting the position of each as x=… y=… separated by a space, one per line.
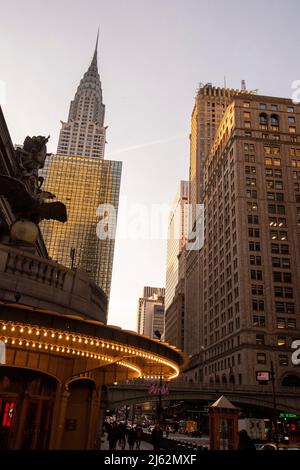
x=262 y=376
x=156 y=389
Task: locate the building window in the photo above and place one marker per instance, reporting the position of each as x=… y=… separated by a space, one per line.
x=258 y=305
x=251 y=193
x=280 y=323
x=268 y=161
x=246 y=104
x=290 y=109
x=255 y=260
x=259 y=321
x=263 y=121
x=291 y=323
x=257 y=289
x=283 y=360
x=256 y=275
x=274 y=107
x=291 y=120
x=292 y=129
x=254 y=246
x=260 y=339
x=261 y=358
x=262 y=106
x=281 y=341
x=252 y=206
x=253 y=219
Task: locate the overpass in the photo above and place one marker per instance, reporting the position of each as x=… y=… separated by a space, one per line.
x=250 y=396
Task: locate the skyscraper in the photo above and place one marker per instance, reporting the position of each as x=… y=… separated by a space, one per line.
x=83 y=180
x=84 y=132
x=209 y=108
x=150 y=314
x=210 y=105
x=177 y=236
x=249 y=314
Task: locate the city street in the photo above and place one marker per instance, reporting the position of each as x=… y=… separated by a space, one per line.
x=204 y=441
x=105 y=445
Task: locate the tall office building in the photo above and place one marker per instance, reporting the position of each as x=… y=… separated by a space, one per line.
x=210 y=105
x=84 y=132
x=80 y=177
x=177 y=236
x=150 y=314
x=250 y=312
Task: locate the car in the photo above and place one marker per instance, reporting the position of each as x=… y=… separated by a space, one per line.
x=267 y=446
x=289 y=448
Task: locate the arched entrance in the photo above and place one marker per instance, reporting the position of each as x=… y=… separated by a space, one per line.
x=224 y=379
x=232 y=379
x=291 y=380
x=26 y=408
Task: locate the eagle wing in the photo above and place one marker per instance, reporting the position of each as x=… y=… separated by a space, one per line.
x=16 y=194
x=53 y=210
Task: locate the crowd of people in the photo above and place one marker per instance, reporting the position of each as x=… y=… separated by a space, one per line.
x=118 y=435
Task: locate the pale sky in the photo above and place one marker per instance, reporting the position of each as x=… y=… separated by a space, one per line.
x=152 y=54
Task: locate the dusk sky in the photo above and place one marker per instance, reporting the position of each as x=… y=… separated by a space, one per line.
x=152 y=56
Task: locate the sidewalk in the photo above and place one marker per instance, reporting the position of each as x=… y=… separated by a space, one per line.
x=105 y=445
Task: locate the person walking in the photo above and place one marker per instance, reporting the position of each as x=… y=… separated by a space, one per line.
x=138 y=435
x=122 y=435
x=131 y=438
x=112 y=436
x=157 y=436
x=245 y=442
x=167 y=431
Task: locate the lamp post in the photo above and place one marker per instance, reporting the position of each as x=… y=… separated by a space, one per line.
x=272 y=377
x=157 y=333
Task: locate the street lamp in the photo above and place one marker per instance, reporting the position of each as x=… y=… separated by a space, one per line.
x=157 y=333
x=264 y=377
x=272 y=377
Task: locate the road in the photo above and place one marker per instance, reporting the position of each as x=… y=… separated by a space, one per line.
x=105 y=445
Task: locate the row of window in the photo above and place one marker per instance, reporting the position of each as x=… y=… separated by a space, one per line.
x=272 y=107
x=281 y=323
x=283 y=360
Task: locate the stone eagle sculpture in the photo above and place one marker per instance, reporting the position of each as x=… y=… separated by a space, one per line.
x=23 y=192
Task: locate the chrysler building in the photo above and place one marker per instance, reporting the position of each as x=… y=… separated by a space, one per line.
x=84 y=132
x=81 y=178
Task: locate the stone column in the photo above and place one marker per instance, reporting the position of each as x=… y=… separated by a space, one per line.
x=102 y=410
x=37 y=424
x=21 y=422
x=93 y=420
x=56 y=411
x=60 y=422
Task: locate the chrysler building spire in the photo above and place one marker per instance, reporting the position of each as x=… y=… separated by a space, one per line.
x=94 y=61
x=84 y=133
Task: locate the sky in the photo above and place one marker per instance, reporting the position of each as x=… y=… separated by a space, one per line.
x=152 y=56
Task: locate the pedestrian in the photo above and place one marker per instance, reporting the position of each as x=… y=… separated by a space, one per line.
x=156 y=435
x=167 y=431
x=138 y=435
x=112 y=436
x=245 y=442
x=131 y=438
x=122 y=435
